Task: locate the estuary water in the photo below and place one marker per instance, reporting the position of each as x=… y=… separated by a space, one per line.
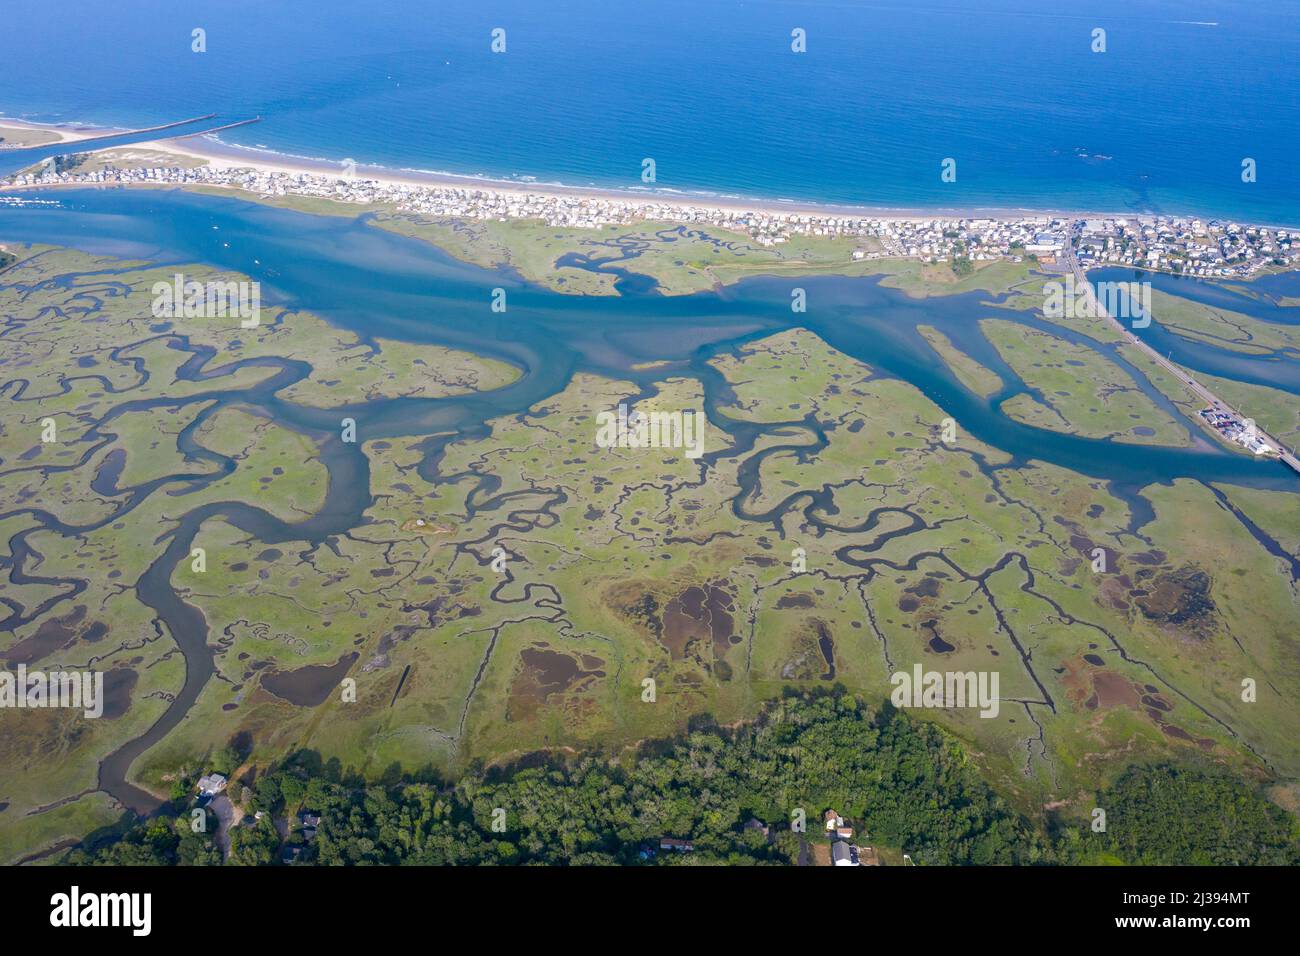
x=380 y=284
x=1259 y=299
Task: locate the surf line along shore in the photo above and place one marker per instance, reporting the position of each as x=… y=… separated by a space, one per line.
x=70 y=135
x=202 y=144
x=72 y=142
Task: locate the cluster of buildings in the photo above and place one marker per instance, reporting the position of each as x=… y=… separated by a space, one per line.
x=1234 y=429
x=843 y=851
x=983 y=238
x=1168 y=243
x=1186 y=245
x=212 y=785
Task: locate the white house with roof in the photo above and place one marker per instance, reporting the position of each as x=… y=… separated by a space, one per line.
x=211 y=784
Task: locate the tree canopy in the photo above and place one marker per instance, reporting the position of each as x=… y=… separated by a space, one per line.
x=903 y=782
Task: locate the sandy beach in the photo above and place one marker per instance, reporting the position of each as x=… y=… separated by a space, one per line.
x=74 y=133
x=222 y=155
x=65 y=133
x=211 y=150
x=226 y=156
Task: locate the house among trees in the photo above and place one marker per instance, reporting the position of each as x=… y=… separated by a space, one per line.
x=679 y=846
x=844 y=854
x=309 y=820
x=211 y=784
x=835 y=826
x=847 y=854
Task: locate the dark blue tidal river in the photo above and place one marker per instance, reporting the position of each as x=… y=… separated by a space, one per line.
x=380 y=284
x=1275 y=369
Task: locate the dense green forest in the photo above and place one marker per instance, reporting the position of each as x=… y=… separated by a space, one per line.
x=903 y=782
x=1173 y=815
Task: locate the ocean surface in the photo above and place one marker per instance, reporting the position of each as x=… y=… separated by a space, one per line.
x=587 y=89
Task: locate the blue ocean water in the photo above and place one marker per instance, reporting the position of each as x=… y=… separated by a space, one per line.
x=586 y=89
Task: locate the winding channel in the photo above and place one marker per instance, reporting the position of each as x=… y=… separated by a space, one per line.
x=380 y=284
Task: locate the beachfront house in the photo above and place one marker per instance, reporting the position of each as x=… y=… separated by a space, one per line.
x=1045 y=243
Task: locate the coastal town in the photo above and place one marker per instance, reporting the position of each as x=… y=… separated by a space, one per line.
x=1184 y=245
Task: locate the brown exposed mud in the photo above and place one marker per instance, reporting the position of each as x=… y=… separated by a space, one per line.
x=697 y=618
x=118 y=685
x=637 y=605
x=1149 y=558
x=444 y=608
x=54 y=634
x=1115 y=594
x=1111 y=689
x=927 y=587
x=1205 y=743
x=1087 y=682
x=920 y=594
x=1180 y=597
x=308 y=686
x=543 y=674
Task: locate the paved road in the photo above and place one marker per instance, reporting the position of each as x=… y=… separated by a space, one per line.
x=1207 y=396
x=224 y=811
